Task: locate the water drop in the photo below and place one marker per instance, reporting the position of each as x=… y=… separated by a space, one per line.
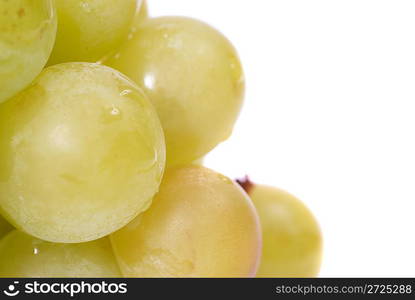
x=115 y=111
x=85 y=6
x=125 y=92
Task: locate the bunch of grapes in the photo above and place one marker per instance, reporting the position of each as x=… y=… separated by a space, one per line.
x=104 y=114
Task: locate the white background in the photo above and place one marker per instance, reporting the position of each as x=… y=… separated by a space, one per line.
x=329 y=116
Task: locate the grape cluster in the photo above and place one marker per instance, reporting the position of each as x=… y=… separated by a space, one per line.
x=105 y=116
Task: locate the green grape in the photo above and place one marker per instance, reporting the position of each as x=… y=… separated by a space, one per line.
x=193 y=76
x=81 y=153
x=200 y=224
x=27 y=34
x=24 y=256
x=90 y=29
x=5 y=227
x=292 y=241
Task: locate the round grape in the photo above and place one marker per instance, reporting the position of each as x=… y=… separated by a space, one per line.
x=201 y=224
x=81 y=153
x=91 y=29
x=193 y=75
x=292 y=241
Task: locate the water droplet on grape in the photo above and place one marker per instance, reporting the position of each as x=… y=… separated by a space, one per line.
x=85 y=6
x=111 y=114
x=175 y=44
x=115 y=111
x=125 y=92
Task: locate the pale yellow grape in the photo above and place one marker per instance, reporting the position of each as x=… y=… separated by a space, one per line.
x=292 y=240
x=81 y=153
x=24 y=256
x=5 y=227
x=90 y=29
x=200 y=224
x=27 y=34
x=193 y=75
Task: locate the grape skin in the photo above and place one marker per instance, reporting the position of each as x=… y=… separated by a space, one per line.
x=292 y=241
x=5 y=227
x=27 y=35
x=24 y=256
x=200 y=225
x=81 y=153
x=199 y=161
x=91 y=29
x=193 y=76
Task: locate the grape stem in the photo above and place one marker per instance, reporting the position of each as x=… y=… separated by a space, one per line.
x=245 y=183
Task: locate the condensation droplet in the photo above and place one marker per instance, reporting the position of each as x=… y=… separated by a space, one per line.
x=115 y=111
x=175 y=44
x=85 y=6
x=125 y=92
